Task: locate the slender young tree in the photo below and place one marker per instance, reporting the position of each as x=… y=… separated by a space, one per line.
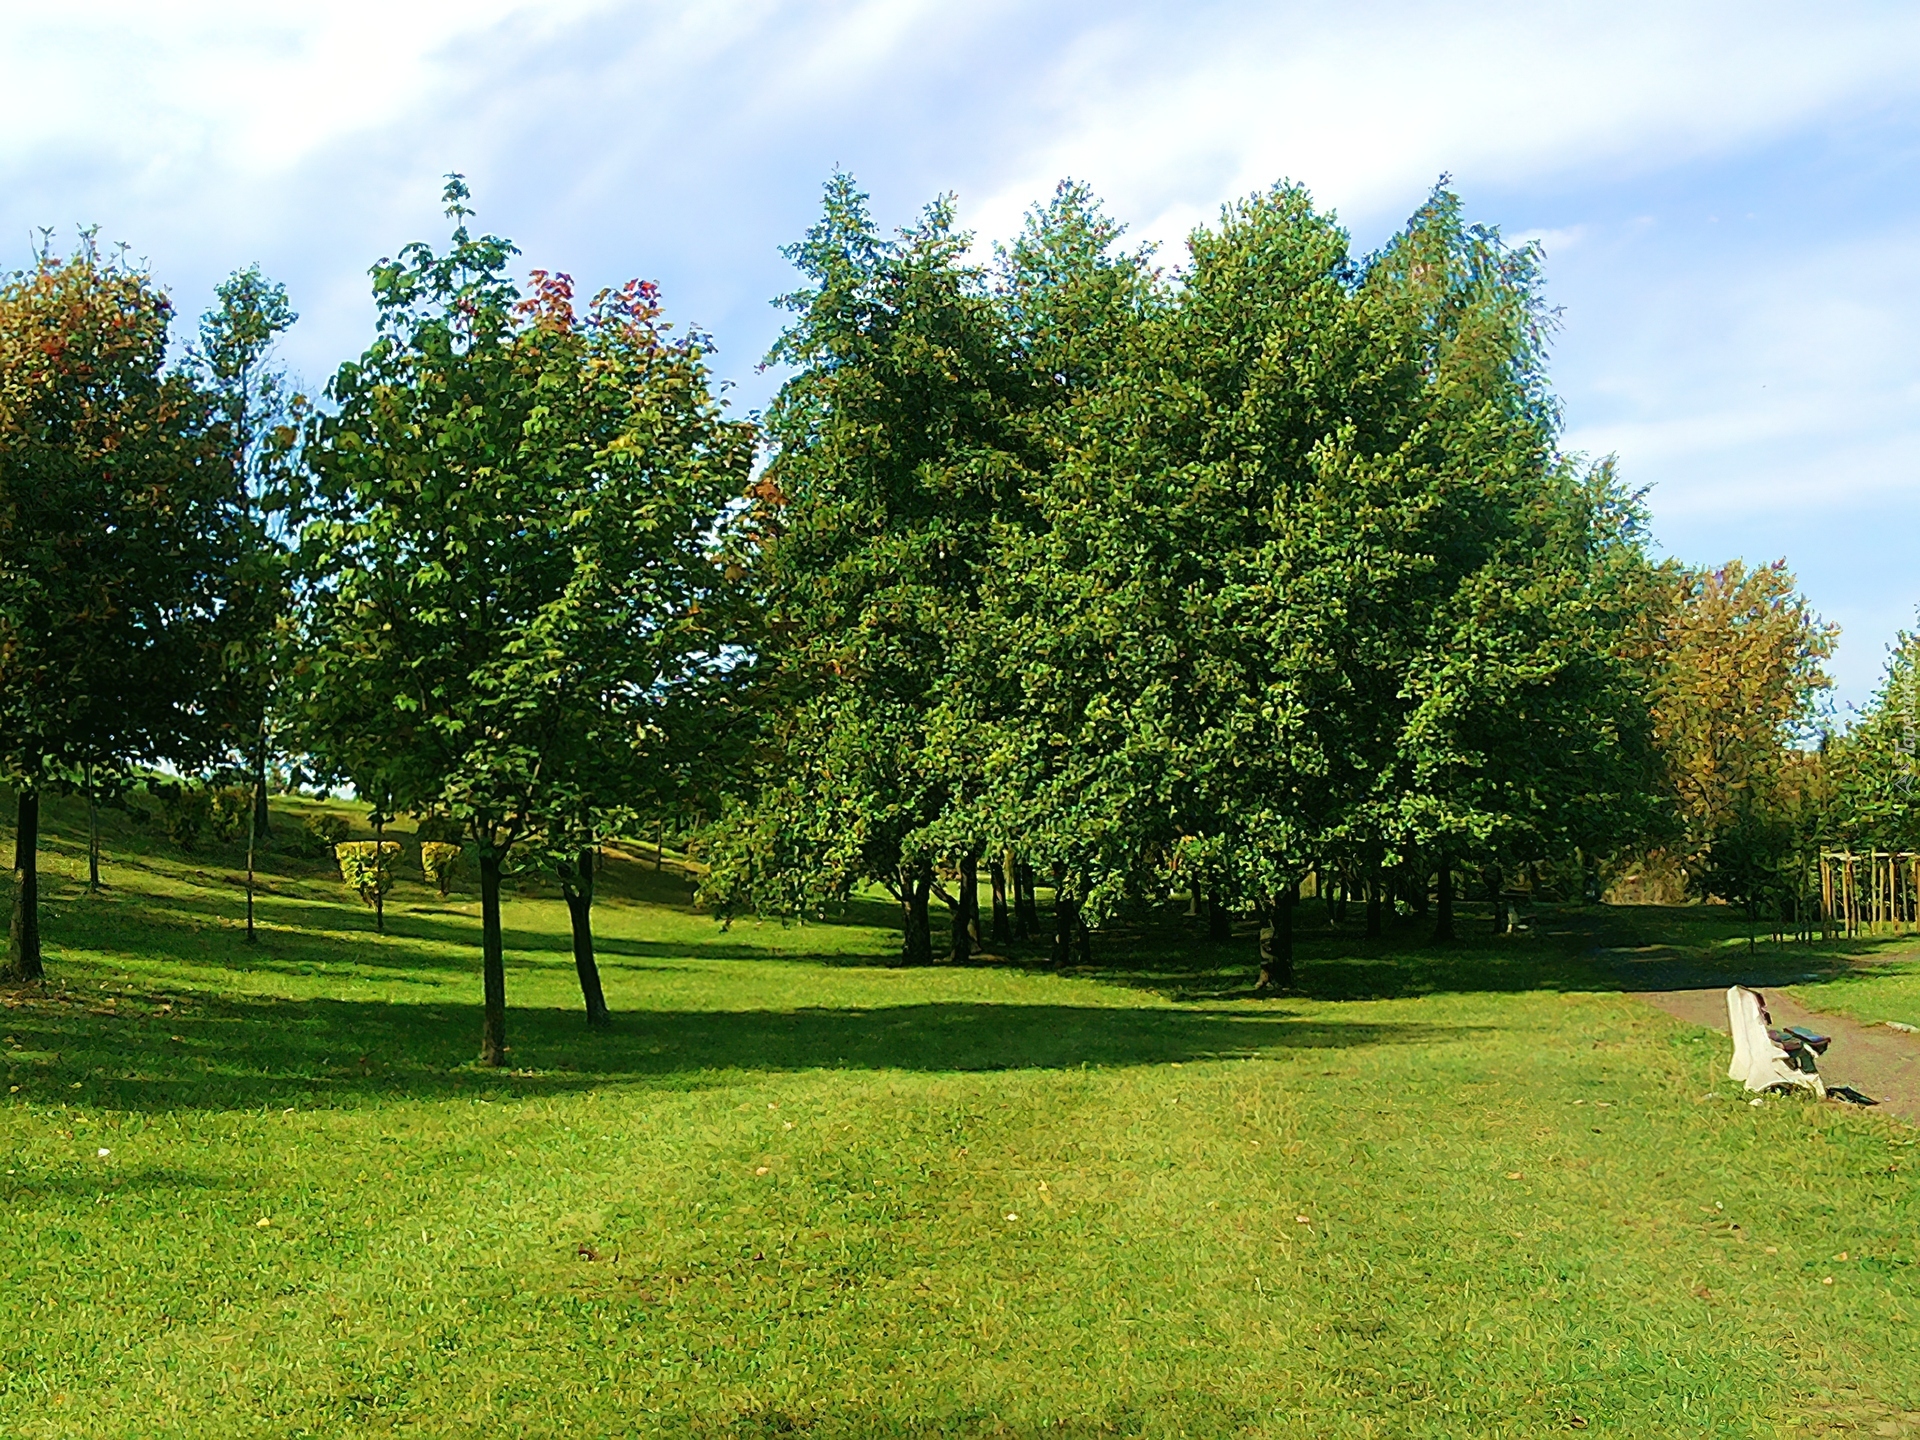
x=261 y=413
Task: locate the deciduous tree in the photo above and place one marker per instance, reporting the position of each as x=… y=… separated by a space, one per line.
x=510 y=558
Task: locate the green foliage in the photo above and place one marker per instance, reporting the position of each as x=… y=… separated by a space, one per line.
x=1204 y=584
x=229 y=807
x=324 y=830
x=439 y=863
x=1875 y=766
x=113 y=544
x=438 y=827
x=185 y=811
x=898 y=448
x=509 y=556
x=367 y=866
x=260 y=419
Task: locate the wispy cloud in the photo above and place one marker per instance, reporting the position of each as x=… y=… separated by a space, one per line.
x=1722 y=188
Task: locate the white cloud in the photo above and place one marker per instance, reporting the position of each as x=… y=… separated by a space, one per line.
x=1758 y=375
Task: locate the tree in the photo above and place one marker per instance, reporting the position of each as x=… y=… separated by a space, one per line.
x=1736 y=657
x=1875 y=765
x=112 y=542
x=261 y=415
x=509 y=559
x=1521 y=731
x=894 y=449
x=1192 y=606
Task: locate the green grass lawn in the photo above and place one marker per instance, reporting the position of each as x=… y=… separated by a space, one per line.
x=264 y=1192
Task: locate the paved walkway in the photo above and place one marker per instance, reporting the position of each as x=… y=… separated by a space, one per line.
x=1874 y=1059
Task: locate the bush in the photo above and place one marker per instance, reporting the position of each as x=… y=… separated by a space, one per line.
x=439 y=860
x=325 y=831
x=367 y=866
x=441 y=829
x=184 y=811
x=231 y=806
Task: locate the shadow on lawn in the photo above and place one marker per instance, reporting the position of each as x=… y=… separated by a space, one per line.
x=1588 y=949
x=247 y=1054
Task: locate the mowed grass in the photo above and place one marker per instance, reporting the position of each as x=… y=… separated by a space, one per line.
x=801 y=1191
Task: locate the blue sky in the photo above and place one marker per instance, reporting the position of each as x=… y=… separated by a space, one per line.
x=1726 y=192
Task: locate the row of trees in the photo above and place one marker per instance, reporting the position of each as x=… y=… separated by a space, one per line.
x=1057 y=564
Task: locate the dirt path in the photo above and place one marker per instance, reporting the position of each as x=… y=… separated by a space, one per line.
x=1878 y=1061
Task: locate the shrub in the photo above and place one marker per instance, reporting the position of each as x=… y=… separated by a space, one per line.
x=439 y=859
x=231 y=806
x=367 y=866
x=325 y=831
x=442 y=829
x=184 y=811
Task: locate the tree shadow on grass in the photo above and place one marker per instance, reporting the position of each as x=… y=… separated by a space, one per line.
x=85 y=1184
x=301 y=935
x=222 y=1054
x=1593 y=949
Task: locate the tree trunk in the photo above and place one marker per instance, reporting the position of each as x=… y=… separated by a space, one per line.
x=576 y=884
x=1219 y=921
x=1340 y=904
x=262 y=817
x=253 y=839
x=1063 y=918
x=1276 y=943
x=970 y=900
x=1002 y=921
x=1497 y=902
x=1443 y=905
x=93 y=840
x=23 y=937
x=1375 y=882
x=493 y=963
x=379 y=889
x=916 y=941
x=1417 y=881
x=1026 y=903
x=960 y=945
x=1085 y=936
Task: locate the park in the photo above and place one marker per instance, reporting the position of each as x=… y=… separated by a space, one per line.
x=1147 y=847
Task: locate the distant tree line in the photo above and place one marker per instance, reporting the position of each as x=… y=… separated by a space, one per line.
x=1057 y=568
